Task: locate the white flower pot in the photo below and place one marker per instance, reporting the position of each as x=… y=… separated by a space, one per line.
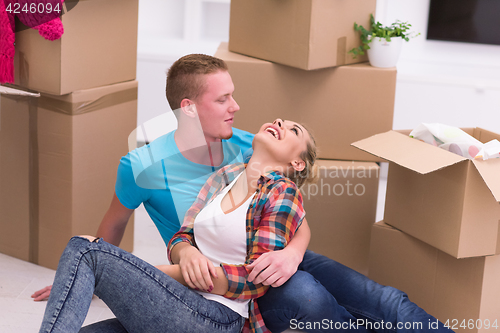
x=383 y=53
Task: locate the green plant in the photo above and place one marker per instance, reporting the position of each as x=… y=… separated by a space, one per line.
x=397 y=29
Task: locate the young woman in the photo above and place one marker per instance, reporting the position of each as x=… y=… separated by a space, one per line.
x=240 y=213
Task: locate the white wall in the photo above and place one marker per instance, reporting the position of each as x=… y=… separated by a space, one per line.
x=169 y=29
x=453 y=83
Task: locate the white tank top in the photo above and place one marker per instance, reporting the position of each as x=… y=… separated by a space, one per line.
x=222 y=239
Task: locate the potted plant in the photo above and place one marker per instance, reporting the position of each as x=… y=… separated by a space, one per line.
x=383 y=43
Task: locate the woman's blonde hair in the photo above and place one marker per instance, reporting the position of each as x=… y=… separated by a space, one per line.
x=309 y=174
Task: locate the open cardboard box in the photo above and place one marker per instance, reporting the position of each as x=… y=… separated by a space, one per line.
x=441 y=198
x=327 y=101
x=307 y=34
x=458 y=291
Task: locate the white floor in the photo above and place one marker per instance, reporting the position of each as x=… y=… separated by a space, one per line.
x=19 y=279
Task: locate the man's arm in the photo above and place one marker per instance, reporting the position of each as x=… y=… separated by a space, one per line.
x=276 y=267
x=115 y=220
x=111 y=230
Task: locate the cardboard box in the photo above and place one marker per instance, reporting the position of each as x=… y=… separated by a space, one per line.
x=340 y=210
x=459 y=292
x=439 y=197
x=15 y=155
x=98 y=48
x=339 y=105
x=307 y=34
x=58 y=162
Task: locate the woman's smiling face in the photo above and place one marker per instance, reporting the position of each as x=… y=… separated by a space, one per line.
x=284 y=140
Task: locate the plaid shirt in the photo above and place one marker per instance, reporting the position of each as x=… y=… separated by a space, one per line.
x=272 y=219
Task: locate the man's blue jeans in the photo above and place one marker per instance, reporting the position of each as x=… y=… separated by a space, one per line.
x=143 y=298
x=335 y=297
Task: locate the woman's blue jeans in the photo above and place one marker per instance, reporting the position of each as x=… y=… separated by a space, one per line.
x=143 y=298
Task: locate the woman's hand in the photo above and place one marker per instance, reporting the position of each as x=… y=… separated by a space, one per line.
x=197 y=270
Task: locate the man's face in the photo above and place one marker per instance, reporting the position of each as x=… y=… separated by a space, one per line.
x=216 y=106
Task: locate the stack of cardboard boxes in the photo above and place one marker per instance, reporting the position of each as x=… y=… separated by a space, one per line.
x=59 y=152
x=440 y=238
x=289 y=60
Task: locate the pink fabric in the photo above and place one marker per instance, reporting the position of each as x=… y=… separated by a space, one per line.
x=49 y=26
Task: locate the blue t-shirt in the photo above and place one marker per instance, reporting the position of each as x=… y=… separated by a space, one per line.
x=159 y=176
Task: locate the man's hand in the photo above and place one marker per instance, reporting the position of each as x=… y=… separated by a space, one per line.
x=274 y=268
x=196 y=269
x=42 y=294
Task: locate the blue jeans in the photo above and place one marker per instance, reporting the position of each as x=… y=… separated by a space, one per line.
x=345 y=297
x=332 y=297
x=143 y=298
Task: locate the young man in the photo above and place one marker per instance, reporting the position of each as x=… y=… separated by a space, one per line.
x=166 y=177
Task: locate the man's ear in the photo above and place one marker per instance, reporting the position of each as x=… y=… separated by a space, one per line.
x=298 y=165
x=188 y=107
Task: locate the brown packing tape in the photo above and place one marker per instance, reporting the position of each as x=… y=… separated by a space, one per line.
x=53 y=104
x=33 y=180
x=341 y=50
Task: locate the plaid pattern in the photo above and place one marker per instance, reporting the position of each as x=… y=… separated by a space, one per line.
x=272 y=219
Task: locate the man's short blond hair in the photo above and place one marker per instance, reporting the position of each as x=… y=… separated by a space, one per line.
x=185 y=79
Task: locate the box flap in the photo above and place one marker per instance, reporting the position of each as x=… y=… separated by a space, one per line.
x=490 y=171
x=407 y=152
x=484 y=135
